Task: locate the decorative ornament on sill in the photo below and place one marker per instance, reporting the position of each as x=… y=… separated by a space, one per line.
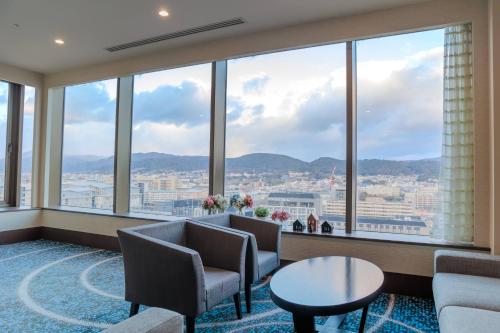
x=312 y=223
x=298 y=226
x=326 y=228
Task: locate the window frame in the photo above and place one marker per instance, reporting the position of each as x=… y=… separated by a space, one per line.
x=217 y=148
x=13 y=145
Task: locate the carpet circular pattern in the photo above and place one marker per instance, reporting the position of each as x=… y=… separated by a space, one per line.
x=55 y=287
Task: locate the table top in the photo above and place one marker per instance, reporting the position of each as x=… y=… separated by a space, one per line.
x=326 y=285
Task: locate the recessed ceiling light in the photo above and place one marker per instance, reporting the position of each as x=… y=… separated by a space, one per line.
x=59 y=41
x=163 y=13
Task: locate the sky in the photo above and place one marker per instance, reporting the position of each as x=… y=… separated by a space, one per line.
x=289 y=103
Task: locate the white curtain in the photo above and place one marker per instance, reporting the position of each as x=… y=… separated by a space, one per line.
x=456 y=219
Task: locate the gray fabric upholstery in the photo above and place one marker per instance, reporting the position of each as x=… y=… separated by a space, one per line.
x=456 y=319
x=469 y=263
x=220 y=284
x=466 y=290
x=267 y=261
x=263 y=235
x=152 y=320
x=171 y=275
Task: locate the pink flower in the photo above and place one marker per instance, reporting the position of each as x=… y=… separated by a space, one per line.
x=210 y=202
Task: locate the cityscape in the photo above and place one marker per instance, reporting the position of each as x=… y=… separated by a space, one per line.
x=404 y=201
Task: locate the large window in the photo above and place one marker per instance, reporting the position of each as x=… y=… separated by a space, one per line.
x=88 y=145
x=171 y=141
x=400 y=122
x=27 y=146
x=4 y=100
x=286 y=131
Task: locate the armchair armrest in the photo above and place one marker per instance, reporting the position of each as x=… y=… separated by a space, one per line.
x=218 y=247
x=162 y=274
x=267 y=233
x=468 y=263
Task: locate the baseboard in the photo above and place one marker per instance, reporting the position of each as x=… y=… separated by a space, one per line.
x=407 y=284
x=401 y=284
x=19 y=235
x=81 y=238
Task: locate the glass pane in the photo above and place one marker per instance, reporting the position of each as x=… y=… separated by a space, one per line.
x=170 y=141
x=400 y=107
x=4 y=100
x=89 y=144
x=285 y=137
x=27 y=145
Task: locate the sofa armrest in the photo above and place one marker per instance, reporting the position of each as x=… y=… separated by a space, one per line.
x=267 y=233
x=162 y=274
x=152 y=320
x=469 y=263
x=218 y=247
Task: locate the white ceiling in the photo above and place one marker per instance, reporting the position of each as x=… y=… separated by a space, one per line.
x=89 y=26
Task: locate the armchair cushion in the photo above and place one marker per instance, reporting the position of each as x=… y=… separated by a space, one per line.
x=457 y=319
x=220 y=284
x=465 y=290
x=267 y=261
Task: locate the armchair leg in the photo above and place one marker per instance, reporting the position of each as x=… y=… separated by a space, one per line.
x=248 y=297
x=237 y=304
x=190 y=324
x=134 y=309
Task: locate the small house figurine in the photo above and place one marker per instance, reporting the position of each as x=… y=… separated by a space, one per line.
x=312 y=223
x=298 y=225
x=326 y=228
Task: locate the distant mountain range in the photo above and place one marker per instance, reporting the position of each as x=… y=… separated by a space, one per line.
x=260 y=162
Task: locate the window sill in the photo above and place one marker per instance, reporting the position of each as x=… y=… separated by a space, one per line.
x=386 y=238
x=336 y=234
x=7 y=209
x=104 y=212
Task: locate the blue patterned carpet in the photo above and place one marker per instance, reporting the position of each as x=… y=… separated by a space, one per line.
x=54 y=287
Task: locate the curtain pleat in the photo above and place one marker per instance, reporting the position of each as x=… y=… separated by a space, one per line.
x=456 y=219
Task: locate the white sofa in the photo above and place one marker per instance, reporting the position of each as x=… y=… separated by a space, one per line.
x=152 y=320
x=466 y=290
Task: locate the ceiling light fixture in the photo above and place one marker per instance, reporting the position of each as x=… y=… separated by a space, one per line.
x=163 y=13
x=59 y=41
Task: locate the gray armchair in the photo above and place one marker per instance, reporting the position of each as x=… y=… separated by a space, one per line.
x=263 y=250
x=182 y=266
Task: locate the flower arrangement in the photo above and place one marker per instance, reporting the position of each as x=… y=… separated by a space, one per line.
x=238 y=202
x=214 y=203
x=281 y=216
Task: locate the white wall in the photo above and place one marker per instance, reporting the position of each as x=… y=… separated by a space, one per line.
x=20 y=219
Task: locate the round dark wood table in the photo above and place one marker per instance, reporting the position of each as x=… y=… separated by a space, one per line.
x=326 y=286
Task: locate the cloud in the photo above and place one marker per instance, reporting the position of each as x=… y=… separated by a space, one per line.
x=187 y=104
x=256 y=84
x=88 y=102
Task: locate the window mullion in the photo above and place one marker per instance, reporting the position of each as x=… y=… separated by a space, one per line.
x=13 y=147
x=351 y=158
x=218 y=127
x=123 y=142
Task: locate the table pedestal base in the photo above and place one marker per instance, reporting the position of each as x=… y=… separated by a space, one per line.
x=303 y=324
